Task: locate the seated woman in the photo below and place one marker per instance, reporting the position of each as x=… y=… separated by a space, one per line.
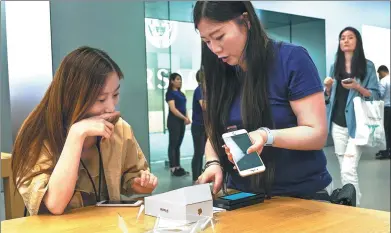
x=74 y=150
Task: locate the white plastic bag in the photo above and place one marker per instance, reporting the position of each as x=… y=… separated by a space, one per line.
x=163 y=225
x=369 y=123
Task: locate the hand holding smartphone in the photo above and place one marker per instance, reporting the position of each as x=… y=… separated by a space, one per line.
x=347 y=81
x=247 y=164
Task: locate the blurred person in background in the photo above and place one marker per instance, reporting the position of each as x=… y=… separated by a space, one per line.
x=384 y=88
x=198 y=128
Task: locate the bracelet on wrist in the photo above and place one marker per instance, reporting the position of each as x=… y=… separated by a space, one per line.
x=212 y=162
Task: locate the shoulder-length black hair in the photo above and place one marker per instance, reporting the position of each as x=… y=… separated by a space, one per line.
x=224 y=82
x=359 y=62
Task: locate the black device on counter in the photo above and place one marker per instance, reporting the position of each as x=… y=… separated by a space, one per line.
x=238 y=200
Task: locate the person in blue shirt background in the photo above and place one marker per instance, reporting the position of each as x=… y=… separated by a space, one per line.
x=384 y=89
x=251 y=82
x=351 y=63
x=198 y=129
x=176 y=123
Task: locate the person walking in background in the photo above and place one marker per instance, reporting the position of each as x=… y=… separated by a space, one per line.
x=351 y=75
x=198 y=128
x=384 y=88
x=176 y=123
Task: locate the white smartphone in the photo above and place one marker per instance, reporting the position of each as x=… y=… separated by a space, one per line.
x=347 y=80
x=238 y=142
x=122 y=203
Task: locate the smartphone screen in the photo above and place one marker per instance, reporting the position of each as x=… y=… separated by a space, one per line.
x=237 y=196
x=238 y=144
x=119 y=202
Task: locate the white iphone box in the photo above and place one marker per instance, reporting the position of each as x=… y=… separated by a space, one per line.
x=185 y=204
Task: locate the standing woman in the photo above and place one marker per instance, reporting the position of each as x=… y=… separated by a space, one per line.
x=176 y=123
x=272 y=90
x=350 y=63
x=198 y=128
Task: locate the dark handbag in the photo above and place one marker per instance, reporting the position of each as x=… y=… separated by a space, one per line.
x=344 y=196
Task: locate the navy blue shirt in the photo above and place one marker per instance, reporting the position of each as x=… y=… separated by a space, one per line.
x=197 y=109
x=179 y=99
x=293 y=77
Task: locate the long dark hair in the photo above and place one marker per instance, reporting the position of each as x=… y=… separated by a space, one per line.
x=171 y=79
x=224 y=82
x=359 y=62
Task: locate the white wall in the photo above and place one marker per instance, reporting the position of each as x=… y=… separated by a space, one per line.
x=337 y=14
x=377 y=45
x=29 y=56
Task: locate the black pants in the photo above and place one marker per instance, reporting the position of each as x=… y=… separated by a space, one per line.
x=176 y=131
x=199 y=140
x=387 y=119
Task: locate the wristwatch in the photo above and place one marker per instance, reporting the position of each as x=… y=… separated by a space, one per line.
x=270 y=137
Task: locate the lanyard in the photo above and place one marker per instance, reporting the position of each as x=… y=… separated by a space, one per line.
x=97 y=195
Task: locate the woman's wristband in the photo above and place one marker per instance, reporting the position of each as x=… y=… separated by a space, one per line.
x=212 y=162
